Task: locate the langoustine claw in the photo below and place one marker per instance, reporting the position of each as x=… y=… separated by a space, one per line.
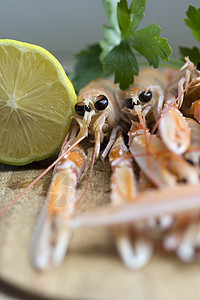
x=173 y=127
x=161 y=166
x=135 y=249
x=52 y=235
x=192 y=155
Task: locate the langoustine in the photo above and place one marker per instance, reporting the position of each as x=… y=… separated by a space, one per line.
x=162 y=160
x=98 y=111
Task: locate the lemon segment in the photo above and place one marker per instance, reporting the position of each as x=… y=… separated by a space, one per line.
x=36 y=103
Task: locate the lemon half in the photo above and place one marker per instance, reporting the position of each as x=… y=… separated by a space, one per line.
x=36 y=102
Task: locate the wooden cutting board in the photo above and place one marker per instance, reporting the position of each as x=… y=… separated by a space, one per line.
x=92 y=268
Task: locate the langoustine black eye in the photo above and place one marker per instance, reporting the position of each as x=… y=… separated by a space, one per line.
x=198 y=66
x=80 y=109
x=101 y=103
x=87 y=108
x=129 y=103
x=145 y=96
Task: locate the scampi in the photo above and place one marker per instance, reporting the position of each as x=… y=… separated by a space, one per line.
x=98 y=113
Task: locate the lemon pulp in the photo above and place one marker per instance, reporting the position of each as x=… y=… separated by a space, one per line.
x=36 y=102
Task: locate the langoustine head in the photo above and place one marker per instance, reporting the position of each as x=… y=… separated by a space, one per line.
x=146 y=95
x=98 y=108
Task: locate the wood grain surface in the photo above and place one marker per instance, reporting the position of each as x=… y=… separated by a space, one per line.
x=92 y=268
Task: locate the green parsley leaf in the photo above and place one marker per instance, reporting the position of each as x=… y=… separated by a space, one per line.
x=129 y=18
x=146 y=41
x=110 y=7
x=193 y=21
x=112 y=34
x=149 y=43
x=122 y=61
x=124 y=18
x=112 y=38
x=137 y=8
x=116 y=52
x=194 y=54
x=88 y=67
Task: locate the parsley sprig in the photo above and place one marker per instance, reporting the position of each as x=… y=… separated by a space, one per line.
x=117 y=52
x=193 y=22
